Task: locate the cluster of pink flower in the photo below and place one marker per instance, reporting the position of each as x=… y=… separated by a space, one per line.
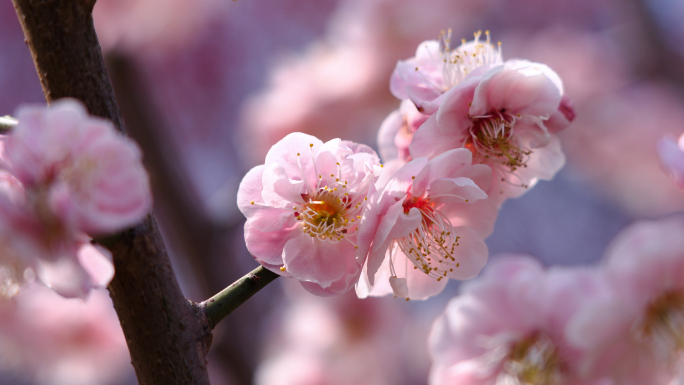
x=619 y=323
x=65 y=177
x=472 y=131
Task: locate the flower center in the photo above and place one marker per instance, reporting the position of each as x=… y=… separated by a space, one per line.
x=11 y=271
x=662 y=325
x=80 y=174
x=432 y=245
x=458 y=63
x=327 y=216
x=532 y=361
x=492 y=137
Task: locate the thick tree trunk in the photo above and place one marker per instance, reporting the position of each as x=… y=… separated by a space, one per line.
x=167 y=335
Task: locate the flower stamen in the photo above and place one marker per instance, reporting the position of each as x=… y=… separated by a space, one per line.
x=432 y=245
x=532 y=361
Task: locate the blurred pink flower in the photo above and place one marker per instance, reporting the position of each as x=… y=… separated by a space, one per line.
x=77 y=169
x=500 y=116
x=612 y=146
x=636 y=335
x=342 y=341
x=672 y=158
x=303 y=206
x=32 y=246
x=64 y=175
x=437 y=214
x=437 y=68
x=507 y=327
x=57 y=341
x=146 y=25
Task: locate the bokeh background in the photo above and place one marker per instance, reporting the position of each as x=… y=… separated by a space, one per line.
x=219 y=81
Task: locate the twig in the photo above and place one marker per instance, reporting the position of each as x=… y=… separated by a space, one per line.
x=7 y=123
x=222 y=304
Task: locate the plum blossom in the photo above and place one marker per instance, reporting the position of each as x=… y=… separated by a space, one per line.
x=427 y=224
x=507 y=117
x=396 y=132
x=303 y=208
x=437 y=68
x=636 y=335
x=65 y=177
x=507 y=327
x=672 y=158
x=84 y=173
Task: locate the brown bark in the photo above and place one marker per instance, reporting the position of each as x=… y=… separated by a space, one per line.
x=167 y=335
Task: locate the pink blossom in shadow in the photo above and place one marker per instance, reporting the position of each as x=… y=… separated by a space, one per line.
x=636 y=335
x=672 y=158
x=430 y=219
x=303 y=208
x=396 y=132
x=57 y=341
x=502 y=115
x=507 y=327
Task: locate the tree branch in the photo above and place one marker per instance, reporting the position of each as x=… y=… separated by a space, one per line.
x=167 y=335
x=222 y=304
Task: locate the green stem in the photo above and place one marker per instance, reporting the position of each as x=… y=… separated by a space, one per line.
x=222 y=304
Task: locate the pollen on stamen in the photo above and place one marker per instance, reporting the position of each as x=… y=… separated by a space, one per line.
x=282 y=268
x=252 y=202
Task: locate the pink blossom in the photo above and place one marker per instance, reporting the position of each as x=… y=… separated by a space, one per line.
x=437 y=68
x=502 y=116
x=429 y=222
x=35 y=246
x=636 y=335
x=507 y=327
x=64 y=175
x=396 y=132
x=672 y=158
x=78 y=169
x=303 y=207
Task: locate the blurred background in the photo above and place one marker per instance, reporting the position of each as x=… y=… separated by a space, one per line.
x=210 y=85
